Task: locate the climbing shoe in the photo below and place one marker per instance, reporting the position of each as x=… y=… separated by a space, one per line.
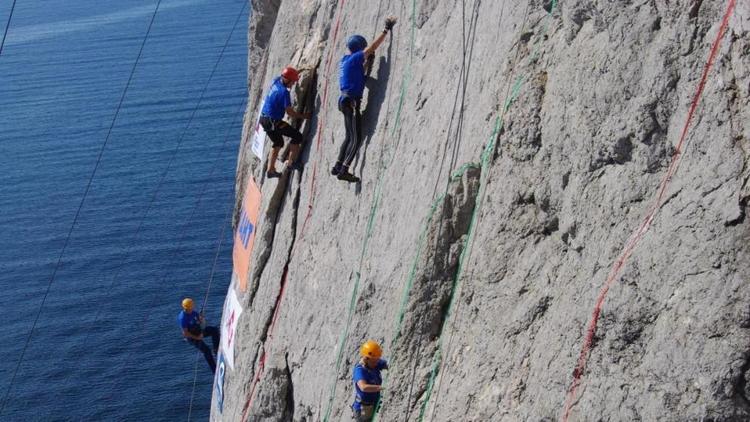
x=295 y=166
x=336 y=170
x=348 y=177
x=273 y=174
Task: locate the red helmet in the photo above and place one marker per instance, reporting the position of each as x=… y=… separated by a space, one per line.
x=289 y=73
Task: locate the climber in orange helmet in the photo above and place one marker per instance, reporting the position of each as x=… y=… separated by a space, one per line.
x=194 y=329
x=367 y=381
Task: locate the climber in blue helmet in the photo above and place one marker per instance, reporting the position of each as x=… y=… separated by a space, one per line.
x=352 y=84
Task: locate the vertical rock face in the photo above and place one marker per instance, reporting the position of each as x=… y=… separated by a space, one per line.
x=511 y=149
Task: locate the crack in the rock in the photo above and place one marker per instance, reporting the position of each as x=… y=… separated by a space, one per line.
x=276 y=207
x=453 y=225
x=740 y=383
x=276 y=204
x=290 y=390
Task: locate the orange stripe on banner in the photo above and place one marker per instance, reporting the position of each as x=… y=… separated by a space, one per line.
x=244 y=238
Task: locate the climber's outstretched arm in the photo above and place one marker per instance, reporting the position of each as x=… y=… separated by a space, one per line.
x=389 y=23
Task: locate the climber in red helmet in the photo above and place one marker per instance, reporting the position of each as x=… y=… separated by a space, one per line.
x=277 y=103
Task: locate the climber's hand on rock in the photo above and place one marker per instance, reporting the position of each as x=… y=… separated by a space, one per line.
x=390 y=22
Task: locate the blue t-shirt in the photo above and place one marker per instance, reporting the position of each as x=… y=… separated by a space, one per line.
x=352 y=74
x=189 y=321
x=277 y=100
x=369 y=376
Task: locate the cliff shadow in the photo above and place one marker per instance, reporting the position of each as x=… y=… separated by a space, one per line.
x=308 y=103
x=377 y=90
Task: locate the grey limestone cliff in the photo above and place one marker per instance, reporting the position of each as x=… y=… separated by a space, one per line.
x=511 y=148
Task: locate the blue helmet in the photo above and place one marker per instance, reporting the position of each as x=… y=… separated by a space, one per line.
x=356 y=43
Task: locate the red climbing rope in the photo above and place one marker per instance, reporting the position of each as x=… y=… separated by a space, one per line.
x=637 y=235
x=313 y=178
x=262 y=361
x=322 y=120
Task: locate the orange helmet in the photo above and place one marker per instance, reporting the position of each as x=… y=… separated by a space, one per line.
x=371 y=349
x=187 y=304
x=291 y=74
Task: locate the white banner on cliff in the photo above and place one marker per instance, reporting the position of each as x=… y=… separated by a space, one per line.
x=259 y=139
x=219 y=382
x=232 y=312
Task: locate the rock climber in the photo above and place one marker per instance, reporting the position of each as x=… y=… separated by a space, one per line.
x=278 y=102
x=194 y=329
x=367 y=381
x=352 y=85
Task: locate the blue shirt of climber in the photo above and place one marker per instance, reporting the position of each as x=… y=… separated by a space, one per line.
x=189 y=321
x=369 y=376
x=352 y=74
x=277 y=100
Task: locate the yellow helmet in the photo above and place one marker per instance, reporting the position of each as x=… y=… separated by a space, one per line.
x=371 y=349
x=187 y=304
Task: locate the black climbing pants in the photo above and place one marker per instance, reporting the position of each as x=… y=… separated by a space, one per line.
x=277 y=129
x=349 y=107
x=212 y=332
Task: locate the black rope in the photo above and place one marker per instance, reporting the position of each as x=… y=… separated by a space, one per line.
x=184 y=232
x=460 y=126
x=377 y=24
x=80 y=206
x=229 y=213
x=467 y=47
x=7 y=26
x=144 y=218
x=160 y=184
x=479 y=200
x=195 y=380
x=467 y=43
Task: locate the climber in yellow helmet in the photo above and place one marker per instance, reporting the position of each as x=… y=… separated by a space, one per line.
x=194 y=329
x=367 y=381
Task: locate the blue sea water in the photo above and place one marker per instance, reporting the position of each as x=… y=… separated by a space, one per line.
x=107 y=346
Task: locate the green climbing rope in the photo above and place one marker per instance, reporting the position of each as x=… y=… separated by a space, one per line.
x=485 y=157
x=408 y=74
x=371 y=217
x=413 y=269
x=466 y=252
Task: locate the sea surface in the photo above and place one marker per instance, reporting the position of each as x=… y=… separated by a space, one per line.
x=106 y=346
